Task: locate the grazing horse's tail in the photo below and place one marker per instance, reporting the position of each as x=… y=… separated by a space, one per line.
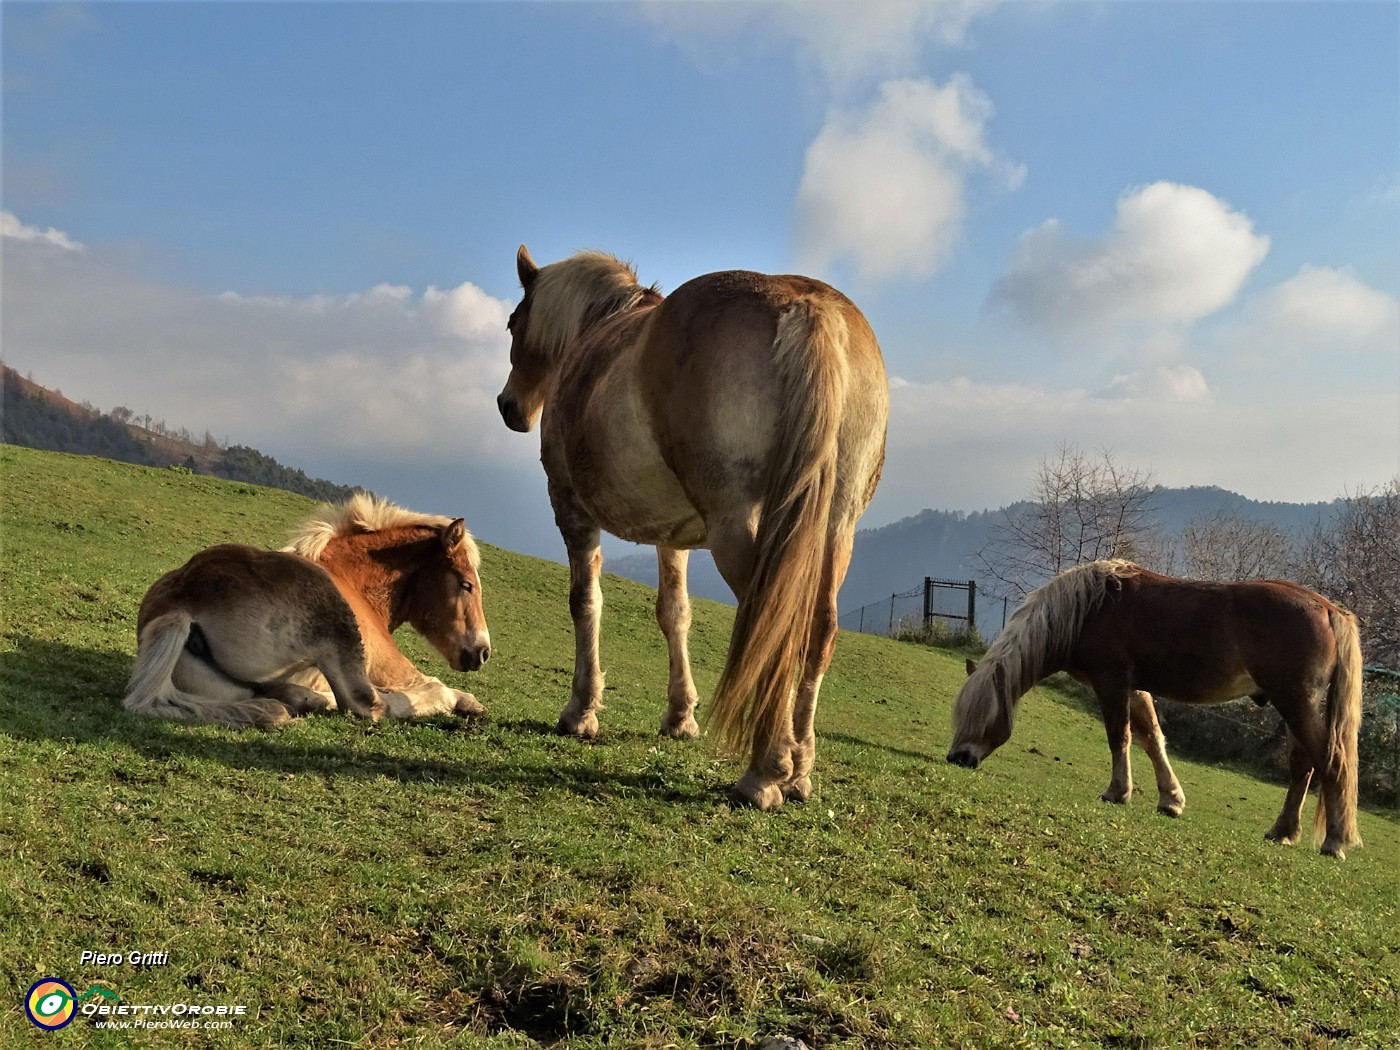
x=1343 y=724
x=773 y=624
x=151 y=690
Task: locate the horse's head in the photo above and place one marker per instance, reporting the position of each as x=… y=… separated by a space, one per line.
x=522 y=398
x=446 y=607
x=982 y=714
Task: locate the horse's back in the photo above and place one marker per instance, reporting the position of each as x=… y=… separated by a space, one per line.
x=1205 y=641
x=717 y=377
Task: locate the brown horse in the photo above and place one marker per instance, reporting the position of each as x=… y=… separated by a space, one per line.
x=1127 y=633
x=745 y=413
x=242 y=636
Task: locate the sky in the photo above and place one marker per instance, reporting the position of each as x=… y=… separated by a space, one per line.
x=1167 y=230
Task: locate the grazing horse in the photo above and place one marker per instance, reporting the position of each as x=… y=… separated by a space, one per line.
x=247 y=637
x=745 y=413
x=1127 y=633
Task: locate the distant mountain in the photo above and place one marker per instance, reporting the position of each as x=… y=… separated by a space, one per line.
x=943 y=544
x=36 y=417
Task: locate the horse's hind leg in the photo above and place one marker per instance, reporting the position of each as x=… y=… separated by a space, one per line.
x=297 y=699
x=1171 y=800
x=1300 y=769
x=673 y=616
x=1114 y=702
x=821 y=645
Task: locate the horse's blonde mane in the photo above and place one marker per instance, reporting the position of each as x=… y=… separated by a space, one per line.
x=585 y=287
x=362 y=512
x=1037 y=639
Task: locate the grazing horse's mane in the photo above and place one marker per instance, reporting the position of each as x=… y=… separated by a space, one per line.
x=1038 y=638
x=1042 y=631
x=361 y=513
x=585 y=287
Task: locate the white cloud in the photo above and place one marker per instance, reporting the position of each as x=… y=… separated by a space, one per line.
x=383 y=374
x=970 y=445
x=1182 y=383
x=11 y=227
x=844 y=42
x=1321 y=306
x=1176 y=254
x=885 y=187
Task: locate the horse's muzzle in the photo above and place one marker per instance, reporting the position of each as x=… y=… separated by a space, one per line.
x=511 y=414
x=472 y=659
x=965 y=757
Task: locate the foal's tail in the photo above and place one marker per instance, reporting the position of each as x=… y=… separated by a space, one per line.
x=772 y=627
x=151 y=690
x=1343 y=724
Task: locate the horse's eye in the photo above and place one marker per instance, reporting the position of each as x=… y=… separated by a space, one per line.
x=467 y=586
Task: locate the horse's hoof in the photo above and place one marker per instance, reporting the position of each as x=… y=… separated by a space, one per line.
x=1333 y=849
x=798 y=789
x=1171 y=809
x=1283 y=838
x=686 y=729
x=467 y=706
x=750 y=791
x=585 y=728
x=1112 y=796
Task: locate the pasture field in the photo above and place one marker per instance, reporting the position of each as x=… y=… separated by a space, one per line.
x=488 y=884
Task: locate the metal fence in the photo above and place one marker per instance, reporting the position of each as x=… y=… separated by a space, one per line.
x=915 y=608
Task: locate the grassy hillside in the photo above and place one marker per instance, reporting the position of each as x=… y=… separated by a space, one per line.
x=436 y=883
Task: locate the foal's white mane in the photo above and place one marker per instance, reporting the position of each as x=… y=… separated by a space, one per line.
x=1038 y=637
x=585 y=287
x=362 y=512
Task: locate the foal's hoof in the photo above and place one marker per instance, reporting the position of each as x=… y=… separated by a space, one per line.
x=467 y=705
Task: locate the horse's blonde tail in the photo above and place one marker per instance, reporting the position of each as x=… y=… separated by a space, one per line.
x=773 y=624
x=1343 y=726
x=151 y=689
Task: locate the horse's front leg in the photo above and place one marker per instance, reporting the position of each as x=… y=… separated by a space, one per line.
x=1171 y=800
x=580 y=715
x=673 y=616
x=1114 y=703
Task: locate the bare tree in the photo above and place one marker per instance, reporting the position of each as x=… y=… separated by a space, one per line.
x=1080 y=509
x=1355 y=560
x=1224 y=546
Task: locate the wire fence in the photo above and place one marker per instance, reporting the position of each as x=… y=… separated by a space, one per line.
x=955 y=601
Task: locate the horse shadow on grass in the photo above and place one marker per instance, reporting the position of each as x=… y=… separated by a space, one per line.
x=55 y=691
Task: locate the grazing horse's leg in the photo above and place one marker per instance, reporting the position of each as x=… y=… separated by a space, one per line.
x=1305 y=721
x=820 y=647
x=1171 y=800
x=1114 y=702
x=673 y=615
x=1300 y=770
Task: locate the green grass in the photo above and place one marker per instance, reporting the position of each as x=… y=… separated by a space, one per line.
x=491 y=885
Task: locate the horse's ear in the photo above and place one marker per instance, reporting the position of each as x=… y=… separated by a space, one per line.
x=971 y=666
x=454 y=534
x=526 y=268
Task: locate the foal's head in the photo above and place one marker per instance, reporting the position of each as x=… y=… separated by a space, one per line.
x=560 y=300
x=442 y=599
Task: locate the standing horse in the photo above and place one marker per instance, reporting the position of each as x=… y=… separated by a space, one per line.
x=241 y=636
x=745 y=413
x=1127 y=633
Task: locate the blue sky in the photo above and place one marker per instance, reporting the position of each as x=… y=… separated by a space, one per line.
x=1165 y=228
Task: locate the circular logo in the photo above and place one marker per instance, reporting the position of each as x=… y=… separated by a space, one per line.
x=50 y=1003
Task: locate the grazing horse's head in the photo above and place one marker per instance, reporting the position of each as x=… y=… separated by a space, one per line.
x=445 y=602
x=982 y=714
x=560 y=301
